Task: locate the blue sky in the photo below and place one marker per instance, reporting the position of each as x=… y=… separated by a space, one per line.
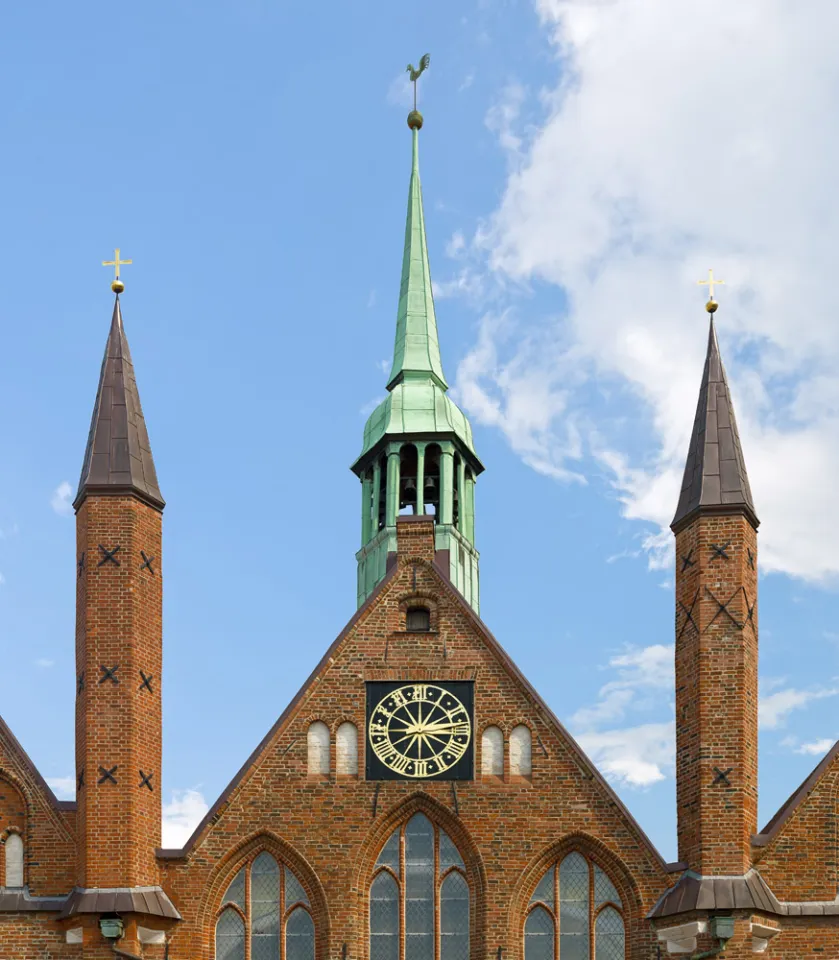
x=253 y=160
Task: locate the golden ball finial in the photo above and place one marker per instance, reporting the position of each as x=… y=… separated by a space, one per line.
x=415 y=120
x=711 y=305
x=117 y=286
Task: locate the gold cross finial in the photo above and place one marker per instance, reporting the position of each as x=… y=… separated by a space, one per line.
x=117 y=286
x=712 y=304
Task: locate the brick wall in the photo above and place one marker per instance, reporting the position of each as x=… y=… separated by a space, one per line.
x=716 y=693
x=118 y=719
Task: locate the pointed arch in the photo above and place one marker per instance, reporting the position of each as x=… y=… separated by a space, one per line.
x=462 y=858
x=300 y=885
x=618 y=881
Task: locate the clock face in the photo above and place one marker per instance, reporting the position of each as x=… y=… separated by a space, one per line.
x=419 y=730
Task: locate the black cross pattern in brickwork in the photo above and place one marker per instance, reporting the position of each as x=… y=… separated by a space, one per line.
x=721 y=777
x=723 y=608
x=750 y=610
x=145 y=781
x=147 y=563
x=107 y=776
x=108 y=556
x=80 y=683
x=688 y=561
x=80 y=564
x=689 y=615
x=751 y=558
x=719 y=551
x=109 y=673
x=146 y=682
x=80 y=779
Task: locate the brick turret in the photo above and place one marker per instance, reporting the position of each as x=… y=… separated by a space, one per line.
x=118 y=637
x=716 y=639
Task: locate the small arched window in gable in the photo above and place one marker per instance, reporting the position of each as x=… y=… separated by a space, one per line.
x=276 y=914
x=418 y=620
x=492 y=754
x=346 y=750
x=317 y=740
x=521 y=764
x=576 y=897
x=419 y=897
x=14 y=860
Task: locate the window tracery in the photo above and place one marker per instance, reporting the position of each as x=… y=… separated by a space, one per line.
x=575 y=913
x=419 y=896
x=265 y=907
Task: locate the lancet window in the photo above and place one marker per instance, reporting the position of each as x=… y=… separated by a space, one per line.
x=265 y=915
x=419 y=897
x=575 y=913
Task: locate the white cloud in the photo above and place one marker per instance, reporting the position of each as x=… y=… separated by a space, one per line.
x=662 y=152
x=63 y=787
x=816 y=748
x=635 y=756
x=775 y=708
x=641 y=672
x=181 y=816
x=456 y=244
x=62 y=499
x=638 y=755
x=44 y=662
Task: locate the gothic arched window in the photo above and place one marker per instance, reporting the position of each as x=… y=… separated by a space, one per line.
x=419 y=897
x=575 y=913
x=266 y=906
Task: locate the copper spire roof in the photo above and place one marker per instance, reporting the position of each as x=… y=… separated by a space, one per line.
x=715 y=477
x=118 y=457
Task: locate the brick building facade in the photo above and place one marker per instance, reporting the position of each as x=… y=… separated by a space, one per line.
x=463 y=821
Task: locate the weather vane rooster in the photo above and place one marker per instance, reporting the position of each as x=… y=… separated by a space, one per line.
x=416 y=74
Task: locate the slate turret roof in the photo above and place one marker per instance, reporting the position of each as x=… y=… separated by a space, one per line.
x=118 y=458
x=715 y=478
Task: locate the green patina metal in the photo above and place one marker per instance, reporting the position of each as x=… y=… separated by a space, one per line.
x=417 y=349
x=418 y=455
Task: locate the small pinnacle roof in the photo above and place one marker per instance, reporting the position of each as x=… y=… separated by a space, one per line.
x=118 y=458
x=715 y=471
x=417 y=349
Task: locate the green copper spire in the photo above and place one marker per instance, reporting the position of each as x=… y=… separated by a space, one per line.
x=418 y=455
x=417 y=349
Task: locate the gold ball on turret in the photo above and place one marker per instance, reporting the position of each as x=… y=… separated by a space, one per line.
x=415 y=120
x=711 y=305
x=117 y=286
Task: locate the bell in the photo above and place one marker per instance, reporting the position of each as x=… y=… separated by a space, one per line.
x=409 y=485
x=430 y=485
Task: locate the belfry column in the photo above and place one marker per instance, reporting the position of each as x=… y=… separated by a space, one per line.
x=119 y=646
x=716 y=637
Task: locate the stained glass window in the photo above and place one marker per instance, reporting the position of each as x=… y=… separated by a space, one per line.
x=266 y=904
x=574 y=914
x=419 y=873
x=230 y=936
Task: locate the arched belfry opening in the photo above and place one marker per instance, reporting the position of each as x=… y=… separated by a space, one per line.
x=431 y=480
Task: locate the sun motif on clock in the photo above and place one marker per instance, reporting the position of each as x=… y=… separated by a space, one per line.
x=419 y=730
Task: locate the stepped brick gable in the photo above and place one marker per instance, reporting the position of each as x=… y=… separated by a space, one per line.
x=417 y=799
